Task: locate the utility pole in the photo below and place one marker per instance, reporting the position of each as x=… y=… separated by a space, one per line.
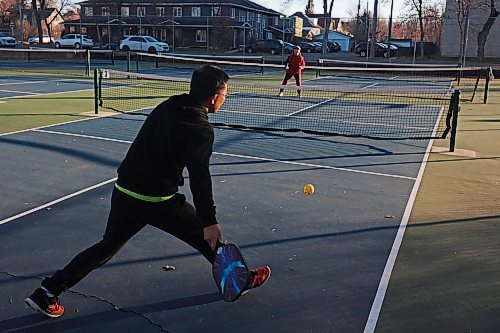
x=374 y=29
x=357 y=24
x=390 y=33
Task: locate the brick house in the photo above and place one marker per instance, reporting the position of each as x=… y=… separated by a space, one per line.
x=181 y=23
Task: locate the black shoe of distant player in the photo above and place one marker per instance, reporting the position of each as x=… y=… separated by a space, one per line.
x=39 y=301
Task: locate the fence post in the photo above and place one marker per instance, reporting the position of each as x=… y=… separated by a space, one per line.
x=454 y=119
x=489 y=76
x=96 y=91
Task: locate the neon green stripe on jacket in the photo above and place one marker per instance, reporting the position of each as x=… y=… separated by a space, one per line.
x=141 y=196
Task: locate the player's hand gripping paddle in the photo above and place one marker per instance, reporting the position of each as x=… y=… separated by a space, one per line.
x=230 y=271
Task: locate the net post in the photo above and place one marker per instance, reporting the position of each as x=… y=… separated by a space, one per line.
x=87 y=62
x=489 y=76
x=454 y=120
x=128 y=61
x=262 y=67
x=136 y=63
x=113 y=58
x=96 y=91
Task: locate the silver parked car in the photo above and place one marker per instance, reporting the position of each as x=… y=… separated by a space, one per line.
x=76 y=41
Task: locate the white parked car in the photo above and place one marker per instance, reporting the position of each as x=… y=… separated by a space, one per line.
x=6 y=41
x=46 y=39
x=74 y=40
x=143 y=44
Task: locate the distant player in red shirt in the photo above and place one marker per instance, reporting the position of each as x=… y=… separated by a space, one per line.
x=294 y=64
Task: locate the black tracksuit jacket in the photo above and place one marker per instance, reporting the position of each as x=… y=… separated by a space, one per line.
x=177 y=134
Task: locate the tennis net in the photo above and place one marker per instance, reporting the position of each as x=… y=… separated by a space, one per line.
x=54 y=60
x=323 y=110
x=470 y=80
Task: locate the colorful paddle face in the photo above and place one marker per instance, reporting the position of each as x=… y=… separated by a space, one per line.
x=230 y=272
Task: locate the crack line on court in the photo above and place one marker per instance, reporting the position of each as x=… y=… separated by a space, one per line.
x=114 y=306
x=319 y=166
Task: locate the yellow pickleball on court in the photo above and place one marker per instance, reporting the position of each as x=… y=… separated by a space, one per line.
x=308 y=189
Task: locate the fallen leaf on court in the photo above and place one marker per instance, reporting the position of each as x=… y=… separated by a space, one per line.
x=48 y=208
x=168 y=268
x=389 y=216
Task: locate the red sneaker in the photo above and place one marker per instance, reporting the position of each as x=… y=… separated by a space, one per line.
x=259 y=277
x=39 y=301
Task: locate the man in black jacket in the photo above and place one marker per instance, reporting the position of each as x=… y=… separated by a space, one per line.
x=177 y=134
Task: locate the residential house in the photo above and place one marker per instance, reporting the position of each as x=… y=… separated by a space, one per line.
x=345 y=41
x=51 y=20
x=224 y=24
x=309 y=27
x=452 y=31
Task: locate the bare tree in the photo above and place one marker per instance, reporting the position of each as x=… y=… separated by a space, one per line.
x=417 y=7
x=483 y=34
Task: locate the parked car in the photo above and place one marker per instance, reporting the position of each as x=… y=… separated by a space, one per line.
x=7 y=41
x=74 y=40
x=46 y=39
x=288 y=47
x=334 y=47
x=113 y=45
x=381 y=50
x=272 y=46
x=310 y=47
x=143 y=44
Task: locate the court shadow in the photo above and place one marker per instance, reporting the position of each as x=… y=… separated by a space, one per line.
x=40 y=323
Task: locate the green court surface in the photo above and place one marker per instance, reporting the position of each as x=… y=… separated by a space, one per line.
x=34 y=111
x=446 y=275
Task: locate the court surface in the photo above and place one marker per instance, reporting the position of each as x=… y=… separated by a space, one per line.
x=327 y=251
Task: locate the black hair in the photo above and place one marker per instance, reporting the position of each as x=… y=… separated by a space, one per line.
x=207 y=81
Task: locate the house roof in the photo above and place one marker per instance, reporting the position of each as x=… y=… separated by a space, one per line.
x=307 y=23
x=237 y=3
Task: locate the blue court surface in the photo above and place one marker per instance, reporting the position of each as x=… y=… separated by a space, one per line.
x=327 y=251
x=12 y=86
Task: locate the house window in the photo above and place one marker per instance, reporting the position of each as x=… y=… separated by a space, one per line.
x=249 y=16
x=201 y=36
x=89 y=11
x=141 y=11
x=233 y=12
x=242 y=16
x=125 y=11
x=196 y=11
x=105 y=11
x=72 y=29
x=259 y=17
x=276 y=22
x=178 y=11
x=84 y=30
x=160 y=11
x=216 y=11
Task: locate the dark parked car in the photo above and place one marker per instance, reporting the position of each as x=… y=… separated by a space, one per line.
x=309 y=47
x=288 y=47
x=273 y=46
x=381 y=50
x=332 y=46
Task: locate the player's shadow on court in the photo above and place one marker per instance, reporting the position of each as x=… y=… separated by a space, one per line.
x=40 y=323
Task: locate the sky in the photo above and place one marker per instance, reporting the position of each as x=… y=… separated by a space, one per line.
x=341 y=8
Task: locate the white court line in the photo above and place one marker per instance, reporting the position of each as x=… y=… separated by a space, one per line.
x=48 y=204
x=371 y=322
x=17 y=83
x=249 y=157
x=47 y=94
x=82 y=136
x=369 y=86
x=18 y=92
x=309 y=107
